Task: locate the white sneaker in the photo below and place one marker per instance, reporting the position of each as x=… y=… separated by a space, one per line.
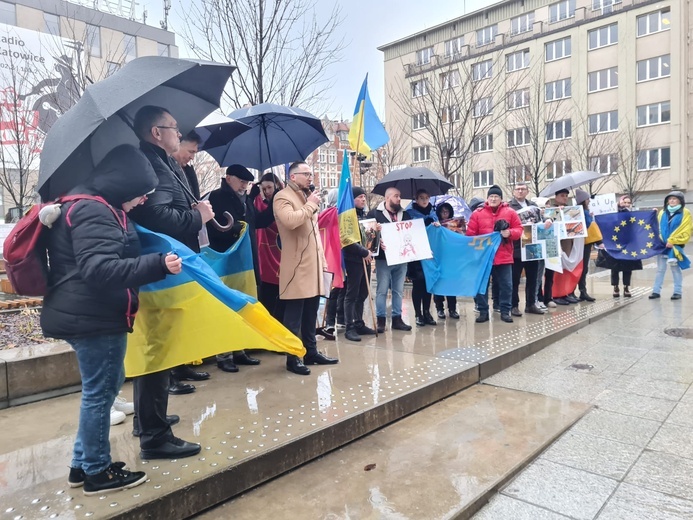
x=341 y=326
x=122 y=405
x=116 y=416
x=542 y=306
x=552 y=304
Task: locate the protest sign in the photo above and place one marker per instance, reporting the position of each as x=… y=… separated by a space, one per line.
x=371 y=235
x=603 y=204
x=405 y=241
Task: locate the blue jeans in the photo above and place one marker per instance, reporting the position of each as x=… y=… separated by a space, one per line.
x=389 y=277
x=662 y=270
x=101 y=367
x=502 y=276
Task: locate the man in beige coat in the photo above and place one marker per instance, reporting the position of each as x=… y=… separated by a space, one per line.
x=302 y=264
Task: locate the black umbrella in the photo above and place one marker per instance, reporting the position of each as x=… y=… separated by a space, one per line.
x=102 y=118
x=409 y=180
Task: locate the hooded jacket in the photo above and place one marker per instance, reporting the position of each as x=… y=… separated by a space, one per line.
x=94 y=253
x=483 y=221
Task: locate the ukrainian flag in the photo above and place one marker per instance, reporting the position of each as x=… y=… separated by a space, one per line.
x=349 y=232
x=367 y=133
x=196 y=314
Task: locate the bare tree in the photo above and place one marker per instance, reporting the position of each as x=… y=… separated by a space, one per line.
x=635 y=161
x=208 y=172
x=281 y=49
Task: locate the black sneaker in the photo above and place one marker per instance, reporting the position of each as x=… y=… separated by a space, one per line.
x=76 y=477
x=112 y=479
x=653 y=296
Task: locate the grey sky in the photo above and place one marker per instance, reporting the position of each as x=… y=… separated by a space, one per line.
x=367 y=25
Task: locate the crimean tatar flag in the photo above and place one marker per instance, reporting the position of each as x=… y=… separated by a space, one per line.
x=349 y=232
x=195 y=314
x=367 y=132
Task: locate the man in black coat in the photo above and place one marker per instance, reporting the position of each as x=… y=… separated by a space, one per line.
x=356 y=281
x=186 y=153
x=170 y=211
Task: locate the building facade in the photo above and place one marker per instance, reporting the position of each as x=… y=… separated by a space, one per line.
x=528 y=90
x=54 y=49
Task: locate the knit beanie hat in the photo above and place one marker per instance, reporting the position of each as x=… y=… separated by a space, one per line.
x=581 y=196
x=495 y=190
x=357 y=191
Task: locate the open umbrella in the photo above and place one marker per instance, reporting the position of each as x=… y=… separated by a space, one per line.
x=459 y=205
x=571 y=180
x=216 y=129
x=277 y=135
x=409 y=180
x=102 y=118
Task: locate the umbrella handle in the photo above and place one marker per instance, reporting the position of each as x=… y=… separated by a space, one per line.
x=224 y=227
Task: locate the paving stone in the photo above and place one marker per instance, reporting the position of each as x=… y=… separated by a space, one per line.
x=618 y=427
x=682 y=414
x=502 y=506
x=636 y=405
x=594 y=454
x=663 y=472
x=565 y=490
x=670 y=390
x=635 y=503
x=688 y=396
x=669 y=366
x=674 y=439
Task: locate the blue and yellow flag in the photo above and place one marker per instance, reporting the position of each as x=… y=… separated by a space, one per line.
x=367 y=132
x=461 y=265
x=632 y=235
x=196 y=314
x=349 y=232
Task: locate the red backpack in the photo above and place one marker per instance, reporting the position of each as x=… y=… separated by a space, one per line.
x=25 y=250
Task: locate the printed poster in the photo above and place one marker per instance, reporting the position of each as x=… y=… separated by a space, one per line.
x=405 y=241
x=371 y=235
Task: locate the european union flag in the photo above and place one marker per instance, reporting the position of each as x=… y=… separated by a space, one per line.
x=632 y=235
x=460 y=265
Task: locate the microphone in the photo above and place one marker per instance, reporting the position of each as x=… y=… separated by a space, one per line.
x=311 y=188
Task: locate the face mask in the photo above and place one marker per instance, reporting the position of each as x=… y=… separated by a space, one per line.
x=674 y=209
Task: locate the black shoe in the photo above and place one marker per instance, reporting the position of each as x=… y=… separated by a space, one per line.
x=227 y=365
x=76 y=477
x=363 y=329
x=351 y=334
x=241 y=358
x=454 y=315
x=398 y=324
x=515 y=311
x=381 y=325
x=441 y=314
x=676 y=296
x=584 y=297
x=653 y=296
x=506 y=318
x=174 y=449
x=571 y=299
x=626 y=291
x=186 y=373
x=429 y=319
x=420 y=322
x=114 y=478
x=561 y=301
x=170 y=419
x=295 y=365
x=482 y=317
x=318 y=358
x=175 y=387
x=533 y=309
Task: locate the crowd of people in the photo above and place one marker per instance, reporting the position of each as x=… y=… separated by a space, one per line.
x=96 y=269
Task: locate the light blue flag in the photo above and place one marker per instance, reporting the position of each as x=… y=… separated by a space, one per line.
x=461 y=265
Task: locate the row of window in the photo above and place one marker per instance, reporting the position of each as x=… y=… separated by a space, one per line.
x=323 y=156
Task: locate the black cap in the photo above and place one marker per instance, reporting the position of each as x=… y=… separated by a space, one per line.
x=562 y=191
x=495 y=190
x=358 y=191
x=240 y=171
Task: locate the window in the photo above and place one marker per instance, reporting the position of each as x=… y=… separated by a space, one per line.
x=518 y=137
x=518 y=99
x=604 y=164
x=419 y=121
x=51 y=24
x=482 y=70
x=559 y=89
x=163 y=49
x=517 y=60
x=654 y=114
x=111 y=68
x=654 y=22
x=483 y=107
x=93 y=40
x=486 y=35
x=332 y=154
x=654 y=159
x=419 y=88
x=654 y=68
x=129 y=47
x=8 y=13
x=521 y=24
x=605 y=6
x=483 y=178
x=557 y=169
x=423 y=56
x=603 y=122
x=602 y=36
x=558 y=49
x=483 y=143
x=561 y=11
x=519 y=174
x=602 y=79
x=421 y=154
x=454 y=47
x=451 y=148
x=322 y=156
x=450 y=114
x=450 y=79
x=558 y=130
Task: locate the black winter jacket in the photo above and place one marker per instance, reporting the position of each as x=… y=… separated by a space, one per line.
x=355 y=253
x=169 y=209
x=94 y=254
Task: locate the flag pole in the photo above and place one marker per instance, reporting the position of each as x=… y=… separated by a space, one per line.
x=370 y=299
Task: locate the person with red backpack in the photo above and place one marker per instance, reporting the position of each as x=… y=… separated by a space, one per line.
x=91 y=301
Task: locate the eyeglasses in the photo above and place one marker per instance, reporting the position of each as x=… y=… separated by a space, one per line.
x=307 y=174
x=169 y=127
